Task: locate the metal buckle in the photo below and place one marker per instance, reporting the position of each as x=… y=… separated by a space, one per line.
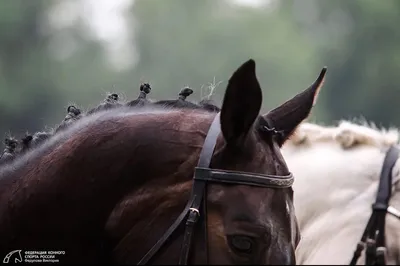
x=195 y=210
x=381 y=255
x=194 y=215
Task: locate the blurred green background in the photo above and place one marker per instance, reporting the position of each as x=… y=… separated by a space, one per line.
x=57 y=52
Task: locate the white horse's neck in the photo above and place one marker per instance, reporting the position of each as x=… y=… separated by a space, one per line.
x=337 y=172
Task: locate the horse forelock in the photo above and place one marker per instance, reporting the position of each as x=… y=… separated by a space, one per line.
x=337 y=172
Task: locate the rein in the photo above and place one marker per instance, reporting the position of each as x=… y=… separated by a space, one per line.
x=195 y=209
x=374 y=234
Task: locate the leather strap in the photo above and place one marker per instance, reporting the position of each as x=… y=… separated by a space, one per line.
x=199 y=186
x=209 y=143
x=240 y=178
x=198 y=191
x=194 y=215
x=374 y=233
x=382 y=203
x=160 y=243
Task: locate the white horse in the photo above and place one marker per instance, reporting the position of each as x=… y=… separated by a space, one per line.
x=337 y=172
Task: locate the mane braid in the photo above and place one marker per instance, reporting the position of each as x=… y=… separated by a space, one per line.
x=11 y=144
x=15 y=148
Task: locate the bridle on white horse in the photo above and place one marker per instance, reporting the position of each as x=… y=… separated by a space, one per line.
x=373 y=237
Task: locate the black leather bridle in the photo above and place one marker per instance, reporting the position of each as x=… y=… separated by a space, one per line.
x=195 y=210
x=374 y=234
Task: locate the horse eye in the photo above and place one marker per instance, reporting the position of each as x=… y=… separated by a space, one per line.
x=240 y=243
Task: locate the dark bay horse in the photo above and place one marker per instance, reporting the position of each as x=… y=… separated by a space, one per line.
x=106 y=188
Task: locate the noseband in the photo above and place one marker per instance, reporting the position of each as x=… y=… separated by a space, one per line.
x=374 y=234
x=195 y=210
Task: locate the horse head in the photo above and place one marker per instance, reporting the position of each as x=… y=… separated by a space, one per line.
x=256 y=225
x=169 y=181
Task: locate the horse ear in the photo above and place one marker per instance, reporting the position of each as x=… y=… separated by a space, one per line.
x=289 y=115
x=241 y=104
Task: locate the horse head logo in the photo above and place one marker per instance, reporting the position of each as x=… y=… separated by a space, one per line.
x=18 y=256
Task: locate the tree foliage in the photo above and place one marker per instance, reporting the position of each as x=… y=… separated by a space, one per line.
x=193 y=43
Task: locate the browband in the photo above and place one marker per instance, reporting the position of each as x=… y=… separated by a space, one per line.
x=243 y=178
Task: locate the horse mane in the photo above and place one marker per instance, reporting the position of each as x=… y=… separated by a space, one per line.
x=15 y=148
x=348 y=134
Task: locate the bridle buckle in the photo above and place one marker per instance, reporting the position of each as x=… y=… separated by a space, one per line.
x=381 y=255
x=194 y=215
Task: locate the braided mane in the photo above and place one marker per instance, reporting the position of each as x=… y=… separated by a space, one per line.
x=16 y=147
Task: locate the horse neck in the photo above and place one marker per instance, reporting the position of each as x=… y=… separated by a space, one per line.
x=110 y=157
x=143 y=148
x=334 y=189
x=141 y=218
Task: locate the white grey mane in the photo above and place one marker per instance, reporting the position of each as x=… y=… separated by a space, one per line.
x=347 y=134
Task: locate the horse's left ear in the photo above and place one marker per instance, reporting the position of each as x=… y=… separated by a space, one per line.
x=289 y=115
